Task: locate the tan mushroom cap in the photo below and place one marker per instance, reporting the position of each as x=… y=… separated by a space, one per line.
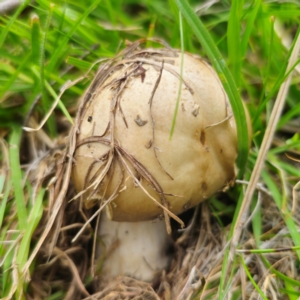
x=195 y=163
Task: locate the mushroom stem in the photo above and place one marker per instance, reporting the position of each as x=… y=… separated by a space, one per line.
x=135 y=249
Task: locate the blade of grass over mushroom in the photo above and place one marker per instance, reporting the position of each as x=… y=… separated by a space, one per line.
x=16 y=175
x=226 y=78
x=180 y=80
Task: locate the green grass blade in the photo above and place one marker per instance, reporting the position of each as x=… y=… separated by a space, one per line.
x=234 y=40
x=56 y=55
x=151 y=32
x=282 y=76
x=2 y=182
x=60 y=103
x=226 y=78
x=35 y=40
x=288 y=217
x=12 y=78
x=4 y=201
x=226 y=260
x=253 y=10
x=290 y=291
x=283 y=277
x=181 y=72
x=16 y=175
x=257 y=222
x=33 y=220
x=252 y=280
x=45 y=99
x=6 y=279
x=79 y=63
x=23 y=250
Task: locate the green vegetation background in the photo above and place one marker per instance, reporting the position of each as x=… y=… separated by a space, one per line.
x=46 y=44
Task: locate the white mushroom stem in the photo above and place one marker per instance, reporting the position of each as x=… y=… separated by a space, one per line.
x=136 y=249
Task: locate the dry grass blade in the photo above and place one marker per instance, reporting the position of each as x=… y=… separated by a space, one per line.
x=164 y=205
x=69 y=263
x=139 y=167
x=15 y=275
x=65 y=87
x=13 y=245
x=57 y=206
x=97 y=213
x=125 y=288
x=150 y=62
x=61 y=188
x=42 y=123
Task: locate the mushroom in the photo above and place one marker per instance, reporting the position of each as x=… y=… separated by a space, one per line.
x=126 y=161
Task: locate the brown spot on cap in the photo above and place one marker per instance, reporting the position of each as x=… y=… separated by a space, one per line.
x=202 y=137
x=204 y=186
x=195 y=112
x=149 y=144
x=139 y=121
x=182 y=107
x=140 y=71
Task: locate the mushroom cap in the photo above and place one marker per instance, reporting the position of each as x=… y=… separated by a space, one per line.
x=124 y=152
